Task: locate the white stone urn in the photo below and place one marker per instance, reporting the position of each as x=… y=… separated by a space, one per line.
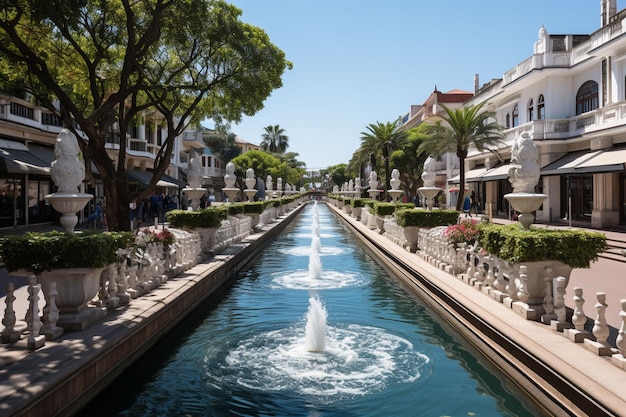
x=411 y=234
x=68 y=173
x=537 y=273
x=76 y=287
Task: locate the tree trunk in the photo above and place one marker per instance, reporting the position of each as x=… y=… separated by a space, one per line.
x=118 y=200
x=461 y=199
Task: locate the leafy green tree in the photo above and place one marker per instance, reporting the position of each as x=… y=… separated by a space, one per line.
x=264 y=164
x=274 y=139
x=338 y=174
x=410 y=161
x=382 y=139
x=100 y=65
x=465 y=128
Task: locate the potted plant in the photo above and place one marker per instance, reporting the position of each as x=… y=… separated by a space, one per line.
x=541 y=250
x=73 y=261
x=412 y=220
x=205 y=222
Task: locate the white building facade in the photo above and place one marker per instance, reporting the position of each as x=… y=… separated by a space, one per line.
x=570 y=95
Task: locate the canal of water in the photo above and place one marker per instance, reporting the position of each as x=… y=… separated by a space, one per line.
x=314 y=326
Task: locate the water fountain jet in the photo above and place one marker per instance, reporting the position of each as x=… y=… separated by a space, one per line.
x=315 y=330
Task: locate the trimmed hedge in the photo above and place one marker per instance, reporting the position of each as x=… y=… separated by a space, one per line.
x=210 y=217
x=38 y=252
x=576 y=248
x=387 y=209
x=426 y=218
x=356 y=202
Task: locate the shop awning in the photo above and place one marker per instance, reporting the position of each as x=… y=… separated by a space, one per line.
x=609 y=160
x=142 y=179
x=496 y=174
x=14 y=161
x=472 y=175
x=567 y=164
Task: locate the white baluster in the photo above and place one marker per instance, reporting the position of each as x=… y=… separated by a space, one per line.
x=548 y=301
x=9 y=334
x=522 y=293
x=619 y=358
x=559 y=306
x=600 y=329
x=132 y=280
x=122 y=284
x=34 y=341
x=50 y=328
x=578 y=317
x=112 y=301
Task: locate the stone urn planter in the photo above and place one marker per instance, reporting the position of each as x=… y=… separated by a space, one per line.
x=256 y=219
x=76 y=287
x=411 y=233
x=537 y=272
x=356 y=212
x=207 y=238
x=380 y=224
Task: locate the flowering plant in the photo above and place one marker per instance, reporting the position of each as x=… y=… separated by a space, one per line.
x=164 y=236
x=465 y=231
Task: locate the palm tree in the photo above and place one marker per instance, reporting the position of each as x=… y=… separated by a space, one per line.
x=381 y=139
x=274 y=139
x=465 y=128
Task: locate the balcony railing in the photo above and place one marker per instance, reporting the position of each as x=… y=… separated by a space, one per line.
x=20 y=110
x=555 y=129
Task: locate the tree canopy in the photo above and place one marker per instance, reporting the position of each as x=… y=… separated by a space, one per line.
x=379 y=140
x=274 y=139
x=264 y=164
x=409 y=160
x=100 y=65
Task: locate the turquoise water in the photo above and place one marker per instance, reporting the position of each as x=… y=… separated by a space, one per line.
x=243 y=353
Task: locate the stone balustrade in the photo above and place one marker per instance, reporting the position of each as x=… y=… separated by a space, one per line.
x=534 y=290
x=137 y=273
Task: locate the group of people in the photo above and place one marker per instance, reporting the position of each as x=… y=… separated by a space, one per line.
x=154 y=207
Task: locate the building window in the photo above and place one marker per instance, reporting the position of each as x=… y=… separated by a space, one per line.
x=587 y=97
x=515 y=115
x=507 y=120
x=605 y=81
x=541 y=108
x=531 y=110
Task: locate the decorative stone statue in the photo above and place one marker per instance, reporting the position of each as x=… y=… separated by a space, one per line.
x=428 y=176
x=250 y=180
x=373 y=180
x=194 y=172
x=268 y=184
x=524 y=172
x=395 y=179
x=230 y=177
x=67 y=171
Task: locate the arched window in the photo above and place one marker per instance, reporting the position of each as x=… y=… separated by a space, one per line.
x=507 y=120
x=515 y=115
x=587 y=97
x=531 y=110
x=541 y=108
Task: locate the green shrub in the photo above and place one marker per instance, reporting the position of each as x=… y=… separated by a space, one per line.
x=355 y=202
x=426 y=218
x=210 y=217
x=387 y=209
x=39 y=252
x=576 y=248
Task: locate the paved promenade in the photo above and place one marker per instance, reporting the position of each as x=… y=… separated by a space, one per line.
x=25 y=376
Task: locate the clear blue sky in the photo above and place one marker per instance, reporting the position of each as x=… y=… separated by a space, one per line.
x=368 y=61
